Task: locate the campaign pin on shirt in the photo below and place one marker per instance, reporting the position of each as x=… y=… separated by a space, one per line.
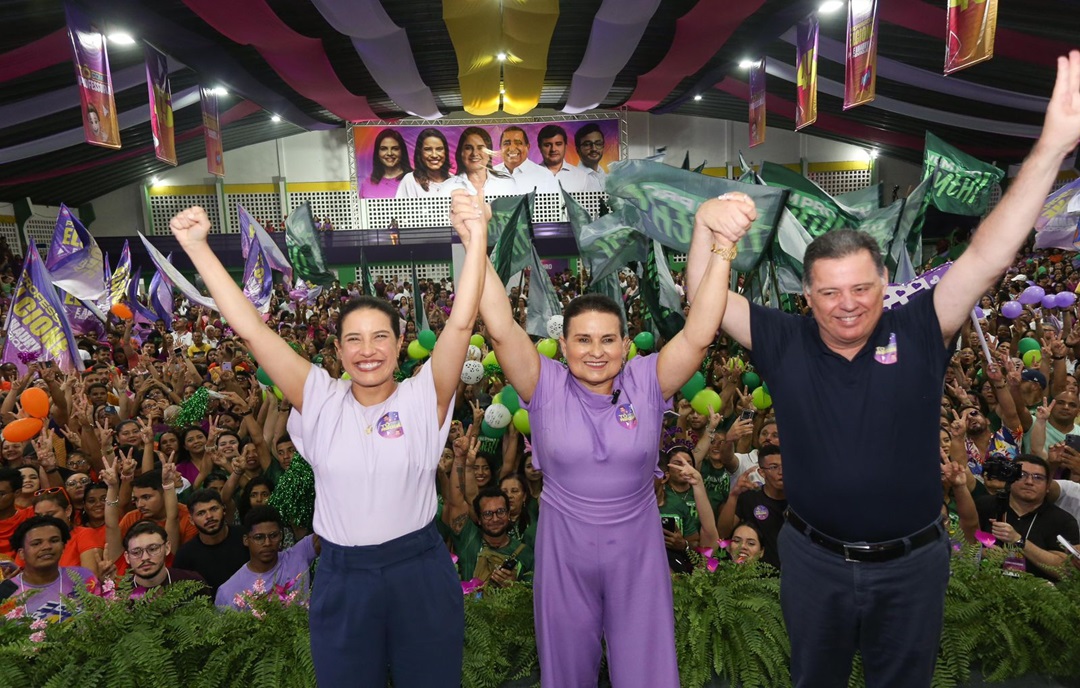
x=389 y=426
x=761 y=512
x=887 y=355
x=626 y=416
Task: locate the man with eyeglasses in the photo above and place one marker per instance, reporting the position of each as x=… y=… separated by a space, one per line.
x=1028 y=523
x=487 y=551
x=269 y=571
x=146 y=547
x=589 y=142
x=757 y=502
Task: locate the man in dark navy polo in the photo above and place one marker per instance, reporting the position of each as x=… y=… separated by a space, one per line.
x=857 y=397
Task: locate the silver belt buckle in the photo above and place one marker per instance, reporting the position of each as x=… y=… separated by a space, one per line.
x=855 y=548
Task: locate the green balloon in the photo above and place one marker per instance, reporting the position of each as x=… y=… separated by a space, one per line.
x=751 y=380
x=426 y=339
x=490 y=359
x=262 y=377
x=478 y=340
x=632 y=352
x=1032 y=359
x=694 y=385
x=521 y=421
x=510 y=399
x=547 y=347
x=417 y=351
x=488 y=431
x=704 y=400
x=497 y=399
x=645 y=341
x=1029 y=344
x=765 y=386
x=761 y=398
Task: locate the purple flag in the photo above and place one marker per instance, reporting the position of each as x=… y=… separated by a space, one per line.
x=120 y=277
x=142 y=313
x=75 y=261
x=898 y=294
x=94 y=79
x=37 y=329
x=258 y=282
x=173 y=277
x=161 y=296
x=251 y=229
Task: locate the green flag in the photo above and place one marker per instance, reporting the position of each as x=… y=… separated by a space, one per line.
x=305 y=250
x=658 y=292
x=511 y=230
x=419 y=311
x=812 y=206
x=961 y=183
x=367 y=286
x=596 y=260
x=543 y=302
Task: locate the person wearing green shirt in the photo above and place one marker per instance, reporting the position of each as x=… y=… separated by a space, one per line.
x=487 y=550
x=683 y=527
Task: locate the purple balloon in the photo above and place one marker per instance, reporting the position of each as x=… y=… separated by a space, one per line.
x=979 y=313
x=1065 y=299
x=1049 y=301
x=1032 y=295
x=1011 y=309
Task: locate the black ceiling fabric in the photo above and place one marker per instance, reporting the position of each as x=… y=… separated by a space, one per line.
x=98 y=171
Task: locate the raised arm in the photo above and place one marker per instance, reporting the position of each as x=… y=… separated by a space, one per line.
x=467 y=216
x=713 y=217
x=998 y=238
x=288 y=369
x=682 y=356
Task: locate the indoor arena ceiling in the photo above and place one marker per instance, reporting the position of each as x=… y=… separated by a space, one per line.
x=319 y=63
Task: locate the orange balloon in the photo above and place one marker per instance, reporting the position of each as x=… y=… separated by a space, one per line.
x=22 y=429
x=121 y=311
x=35 y=402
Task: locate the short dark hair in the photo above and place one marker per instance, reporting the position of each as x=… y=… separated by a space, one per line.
x=754 y=527
x=551 y=131
x=18 y=539
x=592 y=302
x=203 y=496
x=1037 y=460
x=490 y=492
x=13 y=477
x=144 y=527
x=263 y=513
x=371 y=303
x=580 y=134
x=524 y=134
x=840 y=243
x=283 y=439
x=150 y=479
x=767 y=451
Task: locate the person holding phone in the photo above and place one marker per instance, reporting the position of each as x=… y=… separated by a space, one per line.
x=387 y=599
x=596 y=426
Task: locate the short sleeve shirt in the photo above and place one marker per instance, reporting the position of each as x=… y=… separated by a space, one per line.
x=1040 y=527
x=290 y=574
x=470 y=542
x=374 y=465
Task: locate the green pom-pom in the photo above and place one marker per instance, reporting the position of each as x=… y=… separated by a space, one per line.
x=193 y=410
x=493 y=370
x=294 y=495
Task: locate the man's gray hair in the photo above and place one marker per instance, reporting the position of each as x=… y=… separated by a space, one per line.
x=840 y=243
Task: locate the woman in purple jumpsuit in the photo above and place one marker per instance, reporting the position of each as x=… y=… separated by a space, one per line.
x=601 y=569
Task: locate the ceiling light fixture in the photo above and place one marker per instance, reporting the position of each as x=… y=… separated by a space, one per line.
x=873 y=153
x=697 y=97
x=501 y=57
x=121 y=38
x=275 y=118
x=219 y=91
x=830 y=6
x=153 y=181
x=747 y=64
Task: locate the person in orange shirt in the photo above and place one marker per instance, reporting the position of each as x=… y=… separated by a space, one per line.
x=11 y=482
x=154 y=495
x=87 y=544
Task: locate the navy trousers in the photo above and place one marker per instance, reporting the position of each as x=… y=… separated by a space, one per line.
x=395 y=607
x=891 y=611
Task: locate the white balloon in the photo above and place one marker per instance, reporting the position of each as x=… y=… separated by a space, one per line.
x=497 y=416
x=474 y=353
x=554 y=326
x=472 y=372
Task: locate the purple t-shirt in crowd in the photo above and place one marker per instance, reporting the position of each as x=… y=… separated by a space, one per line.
x=599 y=456
x=291 y=572
x=44 y=603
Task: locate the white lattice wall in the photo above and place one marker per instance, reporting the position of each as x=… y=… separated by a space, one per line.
x=40 y=230
x=995 y=196
x=336 y=206
x=841 y=181
x=163 y=208
x=399 y=272
x=9 y=231
x=265 y=207
x=379 y=213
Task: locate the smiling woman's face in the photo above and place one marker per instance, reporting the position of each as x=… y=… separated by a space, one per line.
x=433 y=152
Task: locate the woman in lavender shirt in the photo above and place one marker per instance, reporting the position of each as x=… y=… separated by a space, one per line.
x=387 y=598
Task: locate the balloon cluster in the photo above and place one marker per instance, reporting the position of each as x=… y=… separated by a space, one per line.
x=36 y=403
x=1030 y=351
x=421 y=347
x=1036 y=295
x=505 y=409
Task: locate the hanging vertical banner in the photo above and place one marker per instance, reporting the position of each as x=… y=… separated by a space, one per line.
x=95 y=82
x=757 y=103
x=215 y=161
x=806 y=42
x=161 y=112
x=37 y=330
x=861 y=57
x=970 y=34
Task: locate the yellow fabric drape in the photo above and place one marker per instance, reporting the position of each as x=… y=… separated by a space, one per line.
x=480 y=29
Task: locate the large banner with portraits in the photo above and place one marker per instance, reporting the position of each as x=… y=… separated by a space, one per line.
x=410 y=161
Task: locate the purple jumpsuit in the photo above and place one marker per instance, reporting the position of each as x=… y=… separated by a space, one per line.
x=601 y=567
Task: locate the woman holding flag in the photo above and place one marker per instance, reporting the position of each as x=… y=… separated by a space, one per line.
x=387 y=595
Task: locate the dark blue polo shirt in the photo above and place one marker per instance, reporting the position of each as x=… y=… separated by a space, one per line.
x=860 y=437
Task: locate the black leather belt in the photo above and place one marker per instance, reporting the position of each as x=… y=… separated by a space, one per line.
x=866 y=552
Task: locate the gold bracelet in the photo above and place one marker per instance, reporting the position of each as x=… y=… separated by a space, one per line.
x=728 y=253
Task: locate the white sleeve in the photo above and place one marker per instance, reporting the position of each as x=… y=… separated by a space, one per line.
x=1070 y=497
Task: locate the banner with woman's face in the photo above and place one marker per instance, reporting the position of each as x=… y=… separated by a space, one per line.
x=391 y=152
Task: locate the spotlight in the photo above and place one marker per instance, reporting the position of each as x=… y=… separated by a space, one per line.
x=697 y=97
x=219 y=91
x=153 y=181
x=121 y=38
x=830 y=6
x=747 y=64
x=275 y=118
x=501 y=57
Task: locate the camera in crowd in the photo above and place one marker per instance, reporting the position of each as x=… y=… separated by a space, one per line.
x=1001 y=467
